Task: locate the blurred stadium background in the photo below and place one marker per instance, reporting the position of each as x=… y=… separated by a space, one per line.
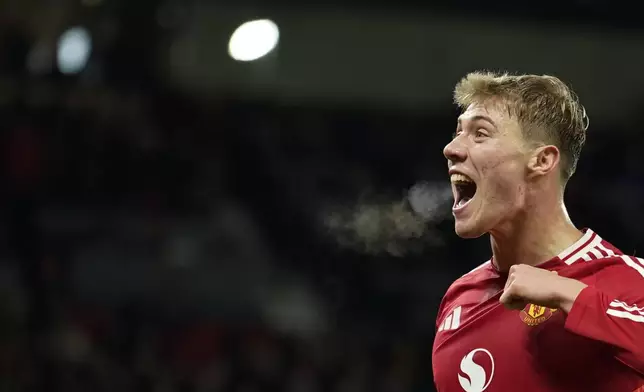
x=175 y=218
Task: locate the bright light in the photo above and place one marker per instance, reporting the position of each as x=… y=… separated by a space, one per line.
x=253 y=40
x=74 y=48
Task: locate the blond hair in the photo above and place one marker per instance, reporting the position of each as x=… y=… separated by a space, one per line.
x=547 y=110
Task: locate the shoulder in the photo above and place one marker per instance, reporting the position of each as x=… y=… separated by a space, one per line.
x=618 y=272
x=472 y=279
x=482 y=272
x=622 y=266
x=594 y=256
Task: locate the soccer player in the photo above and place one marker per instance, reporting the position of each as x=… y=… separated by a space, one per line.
x=555 y=308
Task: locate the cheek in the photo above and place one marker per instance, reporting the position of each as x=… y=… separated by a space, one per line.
x=504 y=176
x=503 y=159
x=497 y=166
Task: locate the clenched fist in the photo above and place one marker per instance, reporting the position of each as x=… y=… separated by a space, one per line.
x=531 y=285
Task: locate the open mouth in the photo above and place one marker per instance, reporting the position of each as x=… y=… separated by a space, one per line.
x=465 y=190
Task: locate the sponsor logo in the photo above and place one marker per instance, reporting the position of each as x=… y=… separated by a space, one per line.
x=477 y=370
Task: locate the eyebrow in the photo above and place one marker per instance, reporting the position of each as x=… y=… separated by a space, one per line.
x=479 y=117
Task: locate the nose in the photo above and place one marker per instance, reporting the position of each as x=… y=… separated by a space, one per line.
x=454 y=151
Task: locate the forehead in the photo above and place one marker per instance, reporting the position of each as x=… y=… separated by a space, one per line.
x=495 y=114
x=491 y=112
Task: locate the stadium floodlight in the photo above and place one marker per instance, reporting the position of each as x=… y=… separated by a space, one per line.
x=74 y=49
x=253 y=40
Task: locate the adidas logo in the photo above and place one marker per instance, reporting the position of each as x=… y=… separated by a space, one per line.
x=452 y=321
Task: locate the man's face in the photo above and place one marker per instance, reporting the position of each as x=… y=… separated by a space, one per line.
x=487 y=164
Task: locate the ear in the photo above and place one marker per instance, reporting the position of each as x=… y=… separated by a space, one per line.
x=544 y=160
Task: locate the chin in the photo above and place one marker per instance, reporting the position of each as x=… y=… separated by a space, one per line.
x=467 y=230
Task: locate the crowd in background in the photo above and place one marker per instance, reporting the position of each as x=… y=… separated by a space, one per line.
x=143 y=233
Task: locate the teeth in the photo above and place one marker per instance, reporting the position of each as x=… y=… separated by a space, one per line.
x=460 y=178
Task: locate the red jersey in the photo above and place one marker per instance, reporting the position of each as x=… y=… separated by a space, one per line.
x=599 y=346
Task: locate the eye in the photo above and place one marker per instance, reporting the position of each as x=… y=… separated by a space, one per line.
x=481 y=133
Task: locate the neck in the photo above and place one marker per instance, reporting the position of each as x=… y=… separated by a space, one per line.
x=534 y=236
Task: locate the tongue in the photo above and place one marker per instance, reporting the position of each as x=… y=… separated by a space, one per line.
x=464 y=200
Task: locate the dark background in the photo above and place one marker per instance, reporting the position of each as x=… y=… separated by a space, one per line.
x=174 y=220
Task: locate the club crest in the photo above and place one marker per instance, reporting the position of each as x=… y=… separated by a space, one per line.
x=534 y=315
